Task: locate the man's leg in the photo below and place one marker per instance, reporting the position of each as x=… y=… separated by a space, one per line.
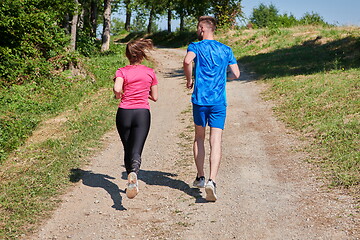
x=215 y=151
x=199 y=149
x=215 y=157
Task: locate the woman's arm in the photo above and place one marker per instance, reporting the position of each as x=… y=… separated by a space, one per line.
x=118 y=87
x=154 y=93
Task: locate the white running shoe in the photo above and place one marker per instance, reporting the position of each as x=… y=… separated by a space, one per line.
x=132 y=186
x=210 y=189
x=199 y=182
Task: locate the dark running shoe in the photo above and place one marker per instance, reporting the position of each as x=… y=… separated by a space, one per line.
x=199 y=182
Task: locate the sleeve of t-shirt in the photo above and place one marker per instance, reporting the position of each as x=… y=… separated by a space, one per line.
x=119 y=73
x=232 y=59
x=192 y=48
x=154 y=79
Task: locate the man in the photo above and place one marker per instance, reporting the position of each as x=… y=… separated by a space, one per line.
x=212 y=60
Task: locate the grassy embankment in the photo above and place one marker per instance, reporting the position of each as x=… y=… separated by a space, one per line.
x=70 y=115
x=314 y=77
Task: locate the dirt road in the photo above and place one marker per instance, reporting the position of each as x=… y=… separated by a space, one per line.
x=265 y=189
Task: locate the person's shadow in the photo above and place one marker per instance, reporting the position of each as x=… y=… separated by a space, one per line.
x=101 y=181
x=165 y=179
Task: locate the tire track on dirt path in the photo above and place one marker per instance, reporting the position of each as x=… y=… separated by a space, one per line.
x=265 y=190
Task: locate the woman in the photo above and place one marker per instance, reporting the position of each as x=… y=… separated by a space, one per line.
x=134 y=84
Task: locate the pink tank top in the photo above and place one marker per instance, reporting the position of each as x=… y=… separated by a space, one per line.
x=137 y=82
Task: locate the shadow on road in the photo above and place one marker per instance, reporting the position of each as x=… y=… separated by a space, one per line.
x=98 y=180
x=166 y=179
x=174 y=74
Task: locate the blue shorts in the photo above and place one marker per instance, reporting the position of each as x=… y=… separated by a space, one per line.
x=214 y=116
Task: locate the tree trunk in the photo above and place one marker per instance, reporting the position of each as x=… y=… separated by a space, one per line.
x=182 y=23
x=169 y=20
x=94 y=13
x=66 y=24
x=73 y=31
x=81 y=20
x=150 y=20
x=128 y=15
x=106 y=29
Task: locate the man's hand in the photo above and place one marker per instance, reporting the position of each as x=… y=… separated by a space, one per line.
x=189 y=84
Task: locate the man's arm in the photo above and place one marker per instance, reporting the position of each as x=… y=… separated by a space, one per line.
x=235 y=72
x=188 y=65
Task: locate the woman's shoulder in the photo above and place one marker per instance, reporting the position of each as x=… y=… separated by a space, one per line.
x=120 y=69
x=147 y=69
x=131 y=68
x=124 y=67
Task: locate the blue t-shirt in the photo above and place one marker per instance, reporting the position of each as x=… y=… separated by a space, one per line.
x=211 y=62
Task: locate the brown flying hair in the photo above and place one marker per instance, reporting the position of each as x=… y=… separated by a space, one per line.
x=136 y=50
x=209 y=21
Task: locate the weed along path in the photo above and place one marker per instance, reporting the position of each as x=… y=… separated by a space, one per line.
x=265 y=189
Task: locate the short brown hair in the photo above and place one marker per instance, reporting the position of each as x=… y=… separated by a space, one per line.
x=136 y=50
x=209 y=21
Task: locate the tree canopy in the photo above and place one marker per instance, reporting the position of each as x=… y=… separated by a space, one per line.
x=35 y=32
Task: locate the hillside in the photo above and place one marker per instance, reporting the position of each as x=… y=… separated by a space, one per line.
x=314 y=76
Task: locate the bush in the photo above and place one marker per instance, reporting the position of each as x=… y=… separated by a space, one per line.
x=269 y=17
x=287 y=20
x=86 y=45
x=30 y=33
x=312 y=19
x=117 y=27
x=264 y=16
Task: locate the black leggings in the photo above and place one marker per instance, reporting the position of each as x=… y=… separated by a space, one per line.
x=133 y=126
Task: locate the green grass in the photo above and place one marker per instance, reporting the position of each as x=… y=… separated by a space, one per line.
x=314 y=74
x=326 y=107
x=24 y=106
x=36 y=173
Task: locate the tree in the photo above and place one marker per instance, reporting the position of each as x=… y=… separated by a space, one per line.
x=93 y=17
x=128 y=8
x=139 y=22
x=106 y=26
x=169 y=15
x=88 y=16
x=226 y=11
x=264 y=16
x=151 y=18
x=156 y=7
x=267 y=16
x=190 y=9
x=74 y=23
x=181 y=8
